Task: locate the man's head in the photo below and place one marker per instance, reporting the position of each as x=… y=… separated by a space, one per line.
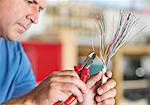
x=16 y=16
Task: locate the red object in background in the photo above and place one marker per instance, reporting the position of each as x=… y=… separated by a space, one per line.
x=44 y=57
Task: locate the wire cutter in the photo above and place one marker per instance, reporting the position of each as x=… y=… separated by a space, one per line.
x=83 y=72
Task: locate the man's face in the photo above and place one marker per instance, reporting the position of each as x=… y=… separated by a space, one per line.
x=16 y=16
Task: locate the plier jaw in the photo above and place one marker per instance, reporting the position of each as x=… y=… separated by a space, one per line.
x=89 y=60
x=83 y=70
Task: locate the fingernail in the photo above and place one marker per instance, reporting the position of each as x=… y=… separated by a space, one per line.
x=100 y=91
x=84 y=91
x=80 y=99
x=98 y=99
x=101 y=99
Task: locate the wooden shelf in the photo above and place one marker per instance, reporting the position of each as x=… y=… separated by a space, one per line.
x=135 y=84
x=136 y=50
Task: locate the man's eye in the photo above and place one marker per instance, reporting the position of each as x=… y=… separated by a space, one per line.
x=40 y=9
x=30 y=2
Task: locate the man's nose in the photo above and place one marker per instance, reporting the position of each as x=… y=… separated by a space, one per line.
x=34 y=14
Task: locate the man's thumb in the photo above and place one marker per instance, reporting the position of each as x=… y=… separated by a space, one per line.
x=95 y=78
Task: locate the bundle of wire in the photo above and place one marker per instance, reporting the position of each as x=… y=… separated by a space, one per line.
x=126 y=22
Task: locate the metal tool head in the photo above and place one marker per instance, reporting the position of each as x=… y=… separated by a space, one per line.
x=92 y=55
x=89 y=60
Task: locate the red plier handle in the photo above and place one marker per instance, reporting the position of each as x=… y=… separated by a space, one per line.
x=84 y=74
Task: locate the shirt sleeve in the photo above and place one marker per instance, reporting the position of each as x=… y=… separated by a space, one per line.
x=25 y=79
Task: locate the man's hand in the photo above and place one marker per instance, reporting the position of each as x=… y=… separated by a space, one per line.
x=98 y=94
x=57 y=87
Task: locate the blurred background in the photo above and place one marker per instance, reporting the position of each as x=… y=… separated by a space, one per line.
x=62 y=39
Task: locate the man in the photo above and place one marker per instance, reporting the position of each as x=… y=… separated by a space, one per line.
x=17 y=83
